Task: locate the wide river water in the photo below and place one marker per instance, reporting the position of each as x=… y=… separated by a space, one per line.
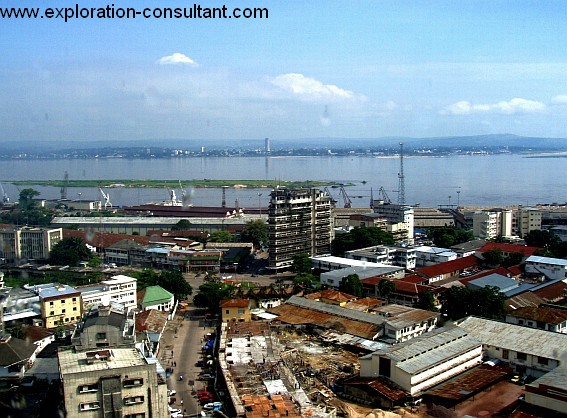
x=501 y=179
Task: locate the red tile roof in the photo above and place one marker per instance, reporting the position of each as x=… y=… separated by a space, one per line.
x=235 y=303
x=449 y=266
x=508 y=248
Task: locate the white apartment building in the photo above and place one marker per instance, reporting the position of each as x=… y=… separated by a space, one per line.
x=527 y=220
x=490 y=224
x=551 y=268
x=28 y=243
x=118 y=289
x=425 y=361
x=397 y=256
x=395 y=214
x=428 y=256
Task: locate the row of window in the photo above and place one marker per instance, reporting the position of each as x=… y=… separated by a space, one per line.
x=51 y=313
x=62 y=301
x=127 y=383
x=90 y=406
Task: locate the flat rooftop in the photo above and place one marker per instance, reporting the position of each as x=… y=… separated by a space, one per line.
x=71 y=362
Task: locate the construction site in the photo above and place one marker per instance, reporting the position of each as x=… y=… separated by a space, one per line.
x=277 y=371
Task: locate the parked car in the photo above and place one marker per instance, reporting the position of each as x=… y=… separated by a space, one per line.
x=213 y=406
x=205 y=376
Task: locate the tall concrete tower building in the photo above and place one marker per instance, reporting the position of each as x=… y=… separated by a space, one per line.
x=300 y=221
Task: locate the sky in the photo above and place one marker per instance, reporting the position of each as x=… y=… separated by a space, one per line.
x=312 y=69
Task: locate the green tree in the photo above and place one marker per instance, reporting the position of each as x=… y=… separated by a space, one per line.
x=542 y=239
x=255 y=232
x=352 y=285
x=493 y=258
x=27 y=196
x=301 y=263
x=459 y=302
x=385 y=288
x=427 y=301
x=360 y=237
x=513 y=259
x=182 y=225
x=307 y=281
x=211 y=294
x=221 y=236
x=70 y=252
x=448 y=236
x=174 y=282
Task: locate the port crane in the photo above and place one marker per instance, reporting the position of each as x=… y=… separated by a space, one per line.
x=106 y=198
x=5 y=198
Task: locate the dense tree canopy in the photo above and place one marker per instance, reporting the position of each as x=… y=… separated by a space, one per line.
x=496 y=258
x=447 y=236
x=486 y=302
x=182 y=225
x=360 y=237
x=70 y=252
x=255 y=232
x=352 y=285
x=301 y=263
x=28 y=212
x=550 y=244
x=385 y=288
x=307 y=281
x=221 y=236
x=211 y=294
x=171 y=280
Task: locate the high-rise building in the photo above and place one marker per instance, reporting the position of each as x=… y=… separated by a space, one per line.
x=399 y=217
x=300 y=221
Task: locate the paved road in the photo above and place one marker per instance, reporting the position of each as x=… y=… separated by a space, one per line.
x=186 y=351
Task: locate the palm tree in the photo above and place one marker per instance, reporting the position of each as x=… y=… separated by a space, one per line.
x=385 y=288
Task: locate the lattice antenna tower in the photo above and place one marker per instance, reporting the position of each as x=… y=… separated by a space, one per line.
x=401 y=178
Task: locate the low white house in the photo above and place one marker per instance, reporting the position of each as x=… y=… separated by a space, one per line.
x=551 y=268
x=424 y=361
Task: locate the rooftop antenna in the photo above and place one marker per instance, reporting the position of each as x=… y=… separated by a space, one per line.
x=371 y=198
x=224 y=196
x=401 y=179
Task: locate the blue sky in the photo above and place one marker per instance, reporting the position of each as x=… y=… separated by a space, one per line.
x=360 y=69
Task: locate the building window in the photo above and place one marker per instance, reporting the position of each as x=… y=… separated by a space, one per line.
x=74 y=299
x=51 y=303
x=227 y=311
x=505 y=354
x=132 y=400
x=100 y=336
x=62 y=300
x=51 y=313
x=62 y=310
x=241 y=312
x=128 y=383
x=543 y=361
x=139 y=415
x=89 y=406
x=521 y=356
x=74 y=308
x=88 y=388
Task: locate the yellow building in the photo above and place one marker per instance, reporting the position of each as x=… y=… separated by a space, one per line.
x=236 y=310
x=60 y=304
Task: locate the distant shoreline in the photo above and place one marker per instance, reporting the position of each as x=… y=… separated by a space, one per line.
x=205 y=183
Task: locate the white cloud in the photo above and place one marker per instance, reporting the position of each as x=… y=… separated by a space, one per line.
x=176 y=58
x=516 y=105
x=561 y=99
x=311 y=89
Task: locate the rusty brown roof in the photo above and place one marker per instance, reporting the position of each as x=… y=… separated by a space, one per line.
x=103 y=240
x=296 y=315
x=522 y=300
x=151 y=320
x=381 y=385
x=545 y=314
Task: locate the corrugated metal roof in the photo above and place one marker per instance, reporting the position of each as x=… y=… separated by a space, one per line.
x=335 y=310
x=429 y=349
x=551 y=345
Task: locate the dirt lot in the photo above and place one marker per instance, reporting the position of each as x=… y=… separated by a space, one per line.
x=487 y=403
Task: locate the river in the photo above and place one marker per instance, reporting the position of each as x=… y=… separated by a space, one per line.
x=500 y=179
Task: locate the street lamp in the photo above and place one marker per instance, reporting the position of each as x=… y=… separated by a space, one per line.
x=458 y=198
